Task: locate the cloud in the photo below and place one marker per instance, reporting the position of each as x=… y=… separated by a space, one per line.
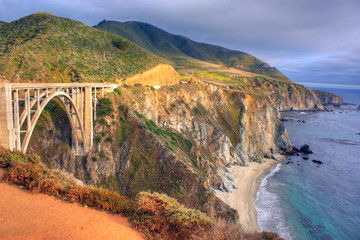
x=304 y=38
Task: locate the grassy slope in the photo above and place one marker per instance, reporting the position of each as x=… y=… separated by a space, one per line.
x=45 y=48
x=178 y=48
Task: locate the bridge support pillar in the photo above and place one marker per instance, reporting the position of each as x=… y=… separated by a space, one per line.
x=88 y=119
x=7 y=133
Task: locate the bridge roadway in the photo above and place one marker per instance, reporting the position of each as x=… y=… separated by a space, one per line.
x=21 y=105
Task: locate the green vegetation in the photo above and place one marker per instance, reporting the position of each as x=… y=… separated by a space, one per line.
x=104 y=107
x=98 y=139
x=102 y=154
x=181 y=50
x=118 y=91
x=45 y=48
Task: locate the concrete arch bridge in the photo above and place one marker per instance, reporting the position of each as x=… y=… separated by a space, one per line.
x=21 y=105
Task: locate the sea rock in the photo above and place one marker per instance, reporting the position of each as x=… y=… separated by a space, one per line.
x=305 y=149
x=294 y=149
x=317 y=161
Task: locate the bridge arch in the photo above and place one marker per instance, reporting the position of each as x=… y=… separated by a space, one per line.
x=71 y=110
x=21 y=105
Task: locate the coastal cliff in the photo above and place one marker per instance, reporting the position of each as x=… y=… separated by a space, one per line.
x=179 y=140
x=328 y=97
x=284 y=95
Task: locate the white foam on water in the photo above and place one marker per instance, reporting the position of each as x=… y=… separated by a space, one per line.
x=270 y=215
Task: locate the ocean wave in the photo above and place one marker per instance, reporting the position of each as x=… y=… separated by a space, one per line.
x=270 y=215
x=342 y=141
x=270 y=174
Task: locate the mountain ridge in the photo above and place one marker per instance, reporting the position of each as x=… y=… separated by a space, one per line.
x=45 y=48
x=177 y=47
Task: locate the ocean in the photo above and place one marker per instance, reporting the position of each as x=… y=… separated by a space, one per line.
x=304 y=200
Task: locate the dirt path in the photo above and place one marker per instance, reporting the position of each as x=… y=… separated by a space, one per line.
x=24 y=215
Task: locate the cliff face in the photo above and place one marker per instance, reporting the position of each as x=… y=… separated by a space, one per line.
x=179 y=140
x=288 y=95
x=305 y=99
x=328 y=97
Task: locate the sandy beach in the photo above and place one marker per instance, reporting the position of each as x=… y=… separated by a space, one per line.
x=247 y=180
x=37 y=216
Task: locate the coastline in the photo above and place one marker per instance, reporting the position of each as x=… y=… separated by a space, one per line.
x=247 y=181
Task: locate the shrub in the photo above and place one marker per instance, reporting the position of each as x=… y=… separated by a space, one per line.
x=98 y=139
x=6 y=157
x=26 y=171
x=101 y=199
x=118 y=91
x=229 y=230
x=23 y=173
x=122 y=119
x=122 y=108
x=103 y=122
x=48 y=186
x=102 y=154
x=270 y=236
x=198 y=112
x=104 y=107
x=165 y=216
x=222 y=229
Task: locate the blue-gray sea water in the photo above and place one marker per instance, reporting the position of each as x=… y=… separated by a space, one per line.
x=304 y=200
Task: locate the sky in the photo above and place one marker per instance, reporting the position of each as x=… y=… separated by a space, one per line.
x=310 y=41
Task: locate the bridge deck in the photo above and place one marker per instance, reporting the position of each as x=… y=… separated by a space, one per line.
x=57 y=85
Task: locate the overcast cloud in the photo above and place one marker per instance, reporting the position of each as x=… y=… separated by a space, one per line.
x=308 y=40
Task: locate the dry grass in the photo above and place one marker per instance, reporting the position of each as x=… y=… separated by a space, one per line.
x=48 y=186
x=24 y=174
x=166 y=218
x=101 y=199
x=156 y=215
x=28 y=171
x=228 y=230
x=224 y=230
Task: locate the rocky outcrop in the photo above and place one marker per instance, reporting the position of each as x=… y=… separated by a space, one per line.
x=264 y=134
x=295 y=97
x=285 y=95
x=162 y=74
x=328 y=97
x=179 y=140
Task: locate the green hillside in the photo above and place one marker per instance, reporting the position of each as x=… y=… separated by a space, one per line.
x=45 y=48
x=1 y=23
x=177 y=48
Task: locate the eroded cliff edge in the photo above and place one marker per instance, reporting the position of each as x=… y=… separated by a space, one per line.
x=178 y=140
